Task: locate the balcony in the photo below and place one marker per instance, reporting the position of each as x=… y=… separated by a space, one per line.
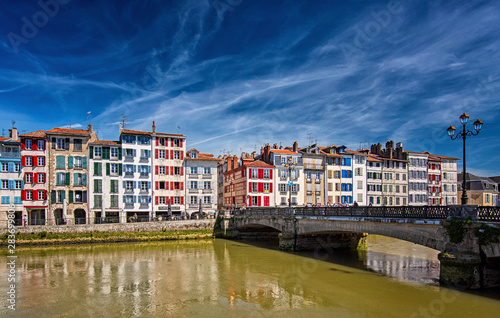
x=206 y=191
x=317 y=180
x=193 y=176
x=144 y=159
x=129 y=173
x=193 y=205
x=318 y=192
x=309 y=192
x=282 y=192
x=207 y=176
x=129 y=158
x=308 y=180
x=313 y=166
x=193 y=190
x=144 y=174
x=10 y=155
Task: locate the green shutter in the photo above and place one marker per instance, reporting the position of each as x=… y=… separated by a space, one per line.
x=75 y=178
x=119 y=169
x=84 y=179
x=53 y=196
x=100 y=186
x=96 y=186
x=96 y=168
x=70 y=199
x=84 y=196
x=107 y=168
x=63 y=195
x=119 y=153
x=60 y=162
x=105 y=152
x=67 y=178
x=70 y=162
x=91 y=152
x=84 y=162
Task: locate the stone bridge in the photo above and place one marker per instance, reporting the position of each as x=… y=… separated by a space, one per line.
x=467 y=237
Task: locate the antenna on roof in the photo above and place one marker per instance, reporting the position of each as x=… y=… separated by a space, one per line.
x=178 y=128
x=123 y=120
x=309 y=138
x=3 y=132
x=13 y=123
x=88 y=118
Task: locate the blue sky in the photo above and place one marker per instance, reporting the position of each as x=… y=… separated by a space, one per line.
x=235 y=74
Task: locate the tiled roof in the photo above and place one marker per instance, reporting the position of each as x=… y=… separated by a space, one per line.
x=135 y=132
x=168 y=134
x=35 y=134
x=4 y=138
x=446 y=157
x=202 y=156
x=374 y=158
x=105 y=142
x=259 y=163
x=283 y=151
x=68 y=131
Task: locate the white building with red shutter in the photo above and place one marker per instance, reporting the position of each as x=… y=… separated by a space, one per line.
x=168 y=172
x=35 y=176
x=260 y=179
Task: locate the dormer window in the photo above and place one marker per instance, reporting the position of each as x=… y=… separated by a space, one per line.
x=194 y=154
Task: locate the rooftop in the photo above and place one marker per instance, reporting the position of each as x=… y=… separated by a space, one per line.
x=68 y=131
x=35 y=134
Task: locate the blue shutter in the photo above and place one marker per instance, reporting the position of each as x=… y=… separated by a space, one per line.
x=135 y=185
x=135 y=153
x=22 y=184
x=12 y=184
x=149 y=185
x=124 y=184
x=84 y=159
x=11 y=167
x=124 y=197
x=70 y=162
x=84 y=179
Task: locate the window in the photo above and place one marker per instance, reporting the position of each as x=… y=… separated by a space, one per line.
x=41 y=179
x=177 y=154
x=41 y=161
x=78 y=162
x=143 y=140
x=207 y=200
x=97 y=201
x=207 y=170
x=255 y=187
x=129 y=186
x=145 y=154
x=5 y=166
x=113 y=186
x=114 y=169
x=177 y=186
x=114 y=153
x=98 y=186
x=78 y=179
x=114 y=201
x=17 y=167
x=193 y=200
x=60 y=143
x=360 y=185
x=128 y=139
x=161 y=154
x=161 y=185
x=97 y=169
x=29 y=195
x=360 y=197
x=194 y=170
x=162 y=200
x=144 y=186
x=177 y=200
x=60 y=178
x=5 y=200
x=77 y=145
x=161 y=141
x=28 y=160
x=161 y=169
x=41 y=145
x=207 y=185
x=177 y=171
x=360 y=160
x=177 y=142
x=129 y=200
x=97 y=152
x=194 y=184
x=5 y=184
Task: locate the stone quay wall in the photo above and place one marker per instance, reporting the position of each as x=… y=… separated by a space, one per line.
x=187 y=225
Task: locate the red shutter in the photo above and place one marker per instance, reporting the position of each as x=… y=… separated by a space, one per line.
x=35 y=177
x=23 y=161
x=250 y=173
x=249 y=201
x=182 y=155
x=23 y=145
x=266 y=201
x=156 y=169
x=171 y=142
x=260 y=187
x=34 y=161
x=180 y=143
x=249 y=187
x=182 y=200
x=261 y=173
x=166 y=154
x=270 y=188
x=171 y=154
x=157 y=143
x=172 y=185
x=166 y=170
x=45 y=194
x=259 y=201
x=270 y=173
x=182 y=171
x=172 y=170
x=156 y=151
x=157 y=185
x=182 y=185
x=23 y=195
x=166 y=185
x=44 y=144
x=156 y=197
x=439 y=177
x=172 y=200
x=34 y=145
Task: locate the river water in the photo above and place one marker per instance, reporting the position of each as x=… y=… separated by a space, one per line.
x=220 y=278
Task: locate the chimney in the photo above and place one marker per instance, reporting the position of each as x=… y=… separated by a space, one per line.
x=295 y=146
x=281 y=147
x=13 y=133
x=154 y=127
x=261 y=151
x=254 y=154
x=120 y=128
x=275 y=146
x=379 y=148
x=267 y=153
x=90 y=127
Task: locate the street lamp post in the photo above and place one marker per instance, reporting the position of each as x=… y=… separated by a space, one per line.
x=478 y=124
x=290 y=165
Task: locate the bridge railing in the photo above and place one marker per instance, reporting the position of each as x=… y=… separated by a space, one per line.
x=423 y=212
x=488 y=213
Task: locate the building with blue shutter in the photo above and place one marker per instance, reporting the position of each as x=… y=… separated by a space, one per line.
x=11 y=180
x=105 y=181
x=68 y=175
x=201 y=183
x=136 y=174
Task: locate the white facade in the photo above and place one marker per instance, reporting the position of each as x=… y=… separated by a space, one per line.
x=374 y=181
x=359 y=178
x=449 y=181
x=417 y=179
x=282 y=177
x=201 y=183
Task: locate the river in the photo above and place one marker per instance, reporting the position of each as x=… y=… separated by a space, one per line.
x=220 y=278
